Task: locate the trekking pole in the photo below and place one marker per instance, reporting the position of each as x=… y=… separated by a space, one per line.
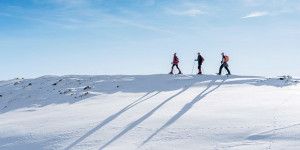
x=193 y=67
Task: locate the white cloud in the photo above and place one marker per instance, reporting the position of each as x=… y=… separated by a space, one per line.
x=256 y=14
x=5 y=14
x=66 y=3
x=190 y=12
x=137 y=25
x=150 y=2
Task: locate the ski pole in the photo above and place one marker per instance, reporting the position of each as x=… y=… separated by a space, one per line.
x=193 y=67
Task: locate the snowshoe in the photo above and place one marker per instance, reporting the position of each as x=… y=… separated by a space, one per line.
x=180 y=72
x=171 y=73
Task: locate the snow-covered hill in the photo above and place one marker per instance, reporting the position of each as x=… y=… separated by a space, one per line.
x=151 y=112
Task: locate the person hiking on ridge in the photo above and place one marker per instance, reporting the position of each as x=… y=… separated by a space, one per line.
x=224 y=64
x=175 y=63
x=200 y=60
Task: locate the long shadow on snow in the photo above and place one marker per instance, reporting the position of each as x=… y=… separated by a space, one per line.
x=186 y=108
x=267 y=134
x=111 y=118
x=143 y=118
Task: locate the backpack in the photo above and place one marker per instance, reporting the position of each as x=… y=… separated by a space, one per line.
x=202 y=59
x=226 y=58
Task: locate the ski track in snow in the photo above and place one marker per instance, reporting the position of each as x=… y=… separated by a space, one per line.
x=148 y=112
x=275 y=125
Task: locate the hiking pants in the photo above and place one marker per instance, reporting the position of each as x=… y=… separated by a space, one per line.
x=225 y=65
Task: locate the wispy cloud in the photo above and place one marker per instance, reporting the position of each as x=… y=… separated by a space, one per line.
x=66 y=3
x=138 y=25
x=190 y=12
x=150 y=2
x=256 y=14
x=5 y=14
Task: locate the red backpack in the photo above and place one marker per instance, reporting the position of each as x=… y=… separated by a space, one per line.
x=226 y=58
x=202 y=59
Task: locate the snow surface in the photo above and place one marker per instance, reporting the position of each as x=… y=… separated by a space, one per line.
x=150 y=112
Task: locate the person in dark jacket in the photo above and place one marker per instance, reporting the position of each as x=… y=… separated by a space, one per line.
x=224 y=64
x=175 y=63
x=200 y=60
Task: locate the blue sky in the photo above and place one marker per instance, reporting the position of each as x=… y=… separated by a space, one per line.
x=99 y=37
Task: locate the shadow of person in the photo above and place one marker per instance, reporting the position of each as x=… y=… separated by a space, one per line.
x=111 y=118
x=143 y=118
x=186 y=108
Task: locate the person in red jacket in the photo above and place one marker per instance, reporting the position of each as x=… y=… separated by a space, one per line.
x=175 y=63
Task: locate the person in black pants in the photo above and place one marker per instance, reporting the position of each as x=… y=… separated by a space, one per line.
x=175 y=63
x=200 y=61
x=224 y=64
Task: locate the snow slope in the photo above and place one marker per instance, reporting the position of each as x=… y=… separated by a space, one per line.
x=151 y=112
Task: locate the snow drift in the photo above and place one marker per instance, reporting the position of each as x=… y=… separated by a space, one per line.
x=150 y=112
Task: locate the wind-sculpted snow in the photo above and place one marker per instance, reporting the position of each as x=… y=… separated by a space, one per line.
x=150 y=112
